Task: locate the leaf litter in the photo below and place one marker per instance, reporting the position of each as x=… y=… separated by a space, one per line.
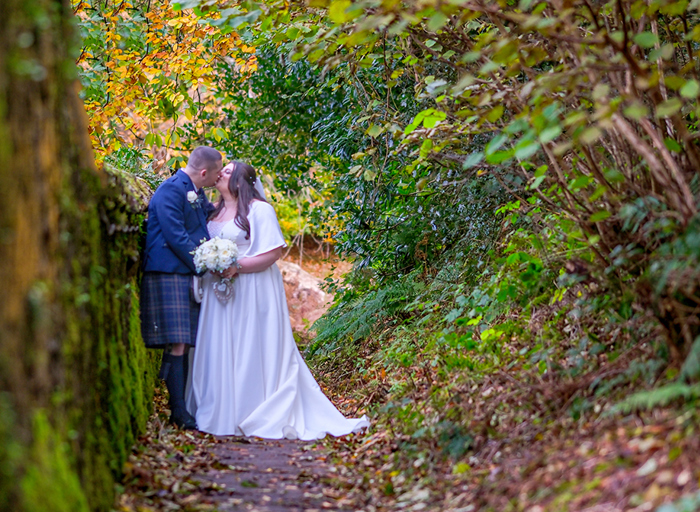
x=637 y=462
x=171 y=469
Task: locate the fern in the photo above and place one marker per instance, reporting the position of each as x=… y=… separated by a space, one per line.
x=691 y=367
x=359 y=318
x=646 y=400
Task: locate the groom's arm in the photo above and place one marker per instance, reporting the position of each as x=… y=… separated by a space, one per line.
x=171 y=216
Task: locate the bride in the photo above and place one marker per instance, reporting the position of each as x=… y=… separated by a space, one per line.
x=248 y=377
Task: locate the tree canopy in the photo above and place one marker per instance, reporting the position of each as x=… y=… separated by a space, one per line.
x=416 y=121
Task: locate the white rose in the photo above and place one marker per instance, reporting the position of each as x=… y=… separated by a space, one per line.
x=232 y=248
x=211 y=261
x=191 y=196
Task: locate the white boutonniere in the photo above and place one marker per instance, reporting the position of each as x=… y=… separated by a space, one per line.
x=194 y=199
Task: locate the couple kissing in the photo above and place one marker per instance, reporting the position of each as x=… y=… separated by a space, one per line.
x=230 y=361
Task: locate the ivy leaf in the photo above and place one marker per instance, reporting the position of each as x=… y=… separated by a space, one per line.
x=185 y=4
x=691 y=89
x=599 y=216
x=665 y=52
x=495 y=113
x=426 y=148
x=336 y=11
x=374 y=130
x=590 y=135
x=668 y=107
x=550 y=133
x=436 y=21
x=235 y=22
x=536 y=182
x=472 y=160
x=580 y=182
x=598 y=193
x=601 y=91
x=433 y=118
x=636 y=111
x=672 y=145
x=526 y=148
x=646 y=39
x=463 y=83
x=436 y=86
x=495 y=143
x=429 y=117
x=499 y=157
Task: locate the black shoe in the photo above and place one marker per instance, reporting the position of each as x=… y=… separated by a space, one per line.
x=175 y=382
x=183 y=420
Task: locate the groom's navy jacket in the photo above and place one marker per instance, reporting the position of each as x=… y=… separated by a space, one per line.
x=176 y=226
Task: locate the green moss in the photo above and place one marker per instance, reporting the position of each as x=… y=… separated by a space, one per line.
x=50 y=481
x=10 y=453
x=77 y=383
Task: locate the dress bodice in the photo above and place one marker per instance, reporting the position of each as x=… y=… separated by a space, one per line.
x=229 y=229
x=215 y=226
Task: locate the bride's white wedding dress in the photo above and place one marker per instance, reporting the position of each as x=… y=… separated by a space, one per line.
x=247 y=375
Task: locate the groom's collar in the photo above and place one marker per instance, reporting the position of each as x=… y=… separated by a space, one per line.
x=187 y=179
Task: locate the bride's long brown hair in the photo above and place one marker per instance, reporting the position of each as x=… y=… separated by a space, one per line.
x=241 y=184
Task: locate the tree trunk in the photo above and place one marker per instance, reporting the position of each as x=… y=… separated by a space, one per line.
x=75 y=381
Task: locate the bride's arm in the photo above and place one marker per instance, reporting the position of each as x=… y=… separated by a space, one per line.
x=260 y=262
x=255 y=263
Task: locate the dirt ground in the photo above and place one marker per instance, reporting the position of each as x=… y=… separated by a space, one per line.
x=272 y=476
x=308 y=301
x=317 y=260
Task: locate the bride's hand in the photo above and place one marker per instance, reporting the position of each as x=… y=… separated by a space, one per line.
x=230 y=272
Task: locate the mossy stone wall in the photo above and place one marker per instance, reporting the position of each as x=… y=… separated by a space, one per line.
x=76 y=383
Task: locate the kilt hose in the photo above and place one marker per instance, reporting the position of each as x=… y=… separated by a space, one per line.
x=169 y=314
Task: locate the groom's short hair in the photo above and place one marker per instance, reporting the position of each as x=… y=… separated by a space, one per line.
x=204 y=157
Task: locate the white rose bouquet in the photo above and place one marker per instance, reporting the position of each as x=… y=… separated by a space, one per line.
x=217 y=255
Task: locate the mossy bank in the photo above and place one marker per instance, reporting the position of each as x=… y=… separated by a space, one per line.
x=65 y=438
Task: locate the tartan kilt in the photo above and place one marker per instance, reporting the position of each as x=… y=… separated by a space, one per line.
x=169 y=313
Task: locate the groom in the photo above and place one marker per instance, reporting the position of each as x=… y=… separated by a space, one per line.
x=177 y=223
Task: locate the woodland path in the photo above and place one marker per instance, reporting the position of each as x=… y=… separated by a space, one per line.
x=193 y=471
x=270 y=476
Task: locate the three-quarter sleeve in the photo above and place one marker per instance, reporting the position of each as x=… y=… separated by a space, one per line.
x=265 y=232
